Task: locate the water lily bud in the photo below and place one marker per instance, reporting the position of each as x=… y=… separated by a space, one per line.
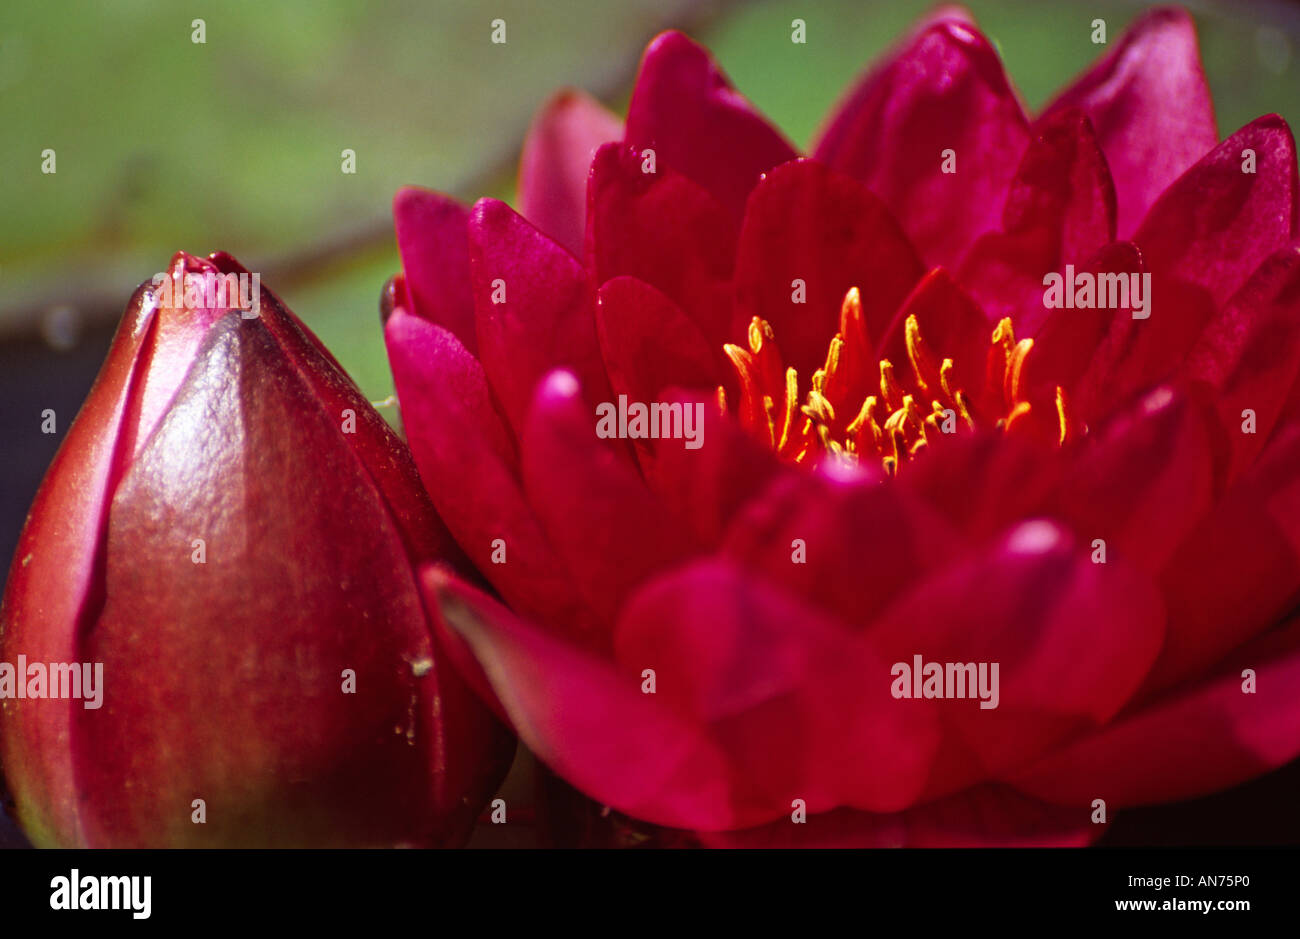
x=216 y=583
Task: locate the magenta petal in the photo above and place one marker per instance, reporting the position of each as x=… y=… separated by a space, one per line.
x=1036 y=604
x=684 y=109
x=862 y=541
x=1142 y=481
x=985 y=816
x=1194 y=742
x=590 y=722
x=534 y=307
x=467 y=461
x=665 y=230
x=710 y=485
x=1250 y=354
x=1060 y=209
x=1150 y=104
x=555 y=162
x=433 y=238
x=799 y=702
x=611 y=530
x=945 y=90
x=1239 y=571
x=1216 y=224
x=809 y=225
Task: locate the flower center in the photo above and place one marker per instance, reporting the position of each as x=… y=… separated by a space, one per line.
x=847 y=414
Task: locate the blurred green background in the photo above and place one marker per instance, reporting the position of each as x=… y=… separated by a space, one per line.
x=164 y=144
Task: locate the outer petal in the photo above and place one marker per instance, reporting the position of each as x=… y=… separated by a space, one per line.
x=810 y=224
x=609 y=527
x=555 y=162
x=433 y=238
x=1036 y=605
x=985 y=816
x=1250 y=354
x=1190 y=743
x=534 y=307
x=787 y=693
x=1216 y=224
x=1151 y=106
x=1239 y=571
x=945 y=90
x=1060 y=209
x=1142 y=481
x=469 y=466
x=684 y=108
x=667 y=231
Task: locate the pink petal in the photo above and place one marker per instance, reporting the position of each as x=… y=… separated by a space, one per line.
x=667 y=231
x=945 y=91
x=684 y=108
x=811 y=224
x=555 y=162
x=547 y=319
x=1150 y=104
x=611 y=530
x=433 y=238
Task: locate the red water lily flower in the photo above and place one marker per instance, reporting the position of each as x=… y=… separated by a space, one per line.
x=905 y=451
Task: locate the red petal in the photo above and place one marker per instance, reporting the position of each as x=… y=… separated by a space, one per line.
x=1206 y=738
x=807 y=223
x=945 y=90
x=684 y=108
x=433 y=238
x=1142 y=482
x=1239 y=571
x=985 y=816
x=1150 y=104
x=611 y=530
x=589 y=721
x=667 y=231
x=1036 y=605
x=1250 y=353
x=1060 y=209
x=556 y=160
x=548 y=318
x=1216 y=224
x=468 y=464
x=863 y=541
x=785 y=691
